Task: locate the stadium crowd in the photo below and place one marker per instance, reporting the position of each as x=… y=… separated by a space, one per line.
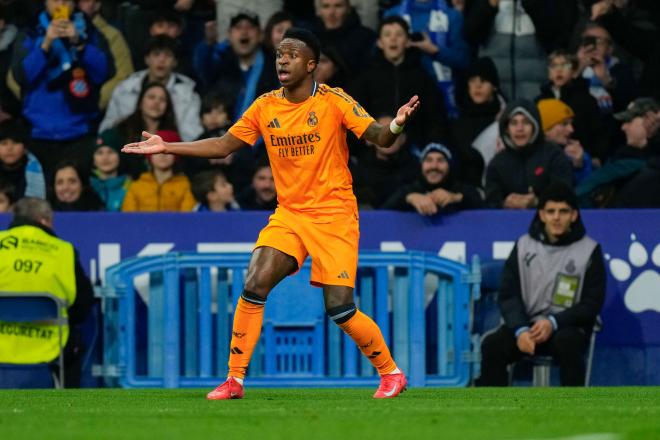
x=516 y=94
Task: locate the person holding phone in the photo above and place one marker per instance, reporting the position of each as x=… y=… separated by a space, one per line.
x=60 y=66
x=611 y=82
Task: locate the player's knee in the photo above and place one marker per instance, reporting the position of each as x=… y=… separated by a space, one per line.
x=253 y=298
x=343 y=313
x=258 y=287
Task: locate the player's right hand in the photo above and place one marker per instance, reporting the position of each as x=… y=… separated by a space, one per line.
x=154 y=144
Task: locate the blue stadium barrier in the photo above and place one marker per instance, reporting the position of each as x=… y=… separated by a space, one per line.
x=175 y=332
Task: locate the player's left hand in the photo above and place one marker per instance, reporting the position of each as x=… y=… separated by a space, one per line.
x=407 y=110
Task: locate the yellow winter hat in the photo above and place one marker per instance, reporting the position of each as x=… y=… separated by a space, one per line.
x=553 y=111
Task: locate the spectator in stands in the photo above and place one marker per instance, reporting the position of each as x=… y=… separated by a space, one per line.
x=276 y=26
x=261 y=195
x=170 y=23
x=519 y=173
x=216 y=119
x=119 y=51
x=162 y=188
x=60 y=65
x=557 y=122
x=62 y=276
x=380 y=172
x=611 y=81
x=238 y=67
x=17 y=165
x=227 y=9
x=71 y=191
x=476 y=131
x=154 y=111
x=552 y=290
x=7 y=196
x=395 y=73
x=339 y=26
x=436 y=190
x=9 y=106
x=640 y=125
x=438 y=34
x=107 y=180
x=331 y=68
x=161 y=59
x=518 y=35
x=635 y=36
x=566 y=84
x=213 y=192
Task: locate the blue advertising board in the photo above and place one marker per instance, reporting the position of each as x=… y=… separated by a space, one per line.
x=630 y=240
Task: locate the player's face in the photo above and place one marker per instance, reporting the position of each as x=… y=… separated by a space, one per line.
x=264 y=185
x=392 y=41
x=154 y=103
x=68 y=185
x=244 y=38
x=294 y=61
x=106 y=160
x=333 y=13
x=435 y=167
x=520 y=130
x=560 y=133
x=557 y=218
x=480 y=91
x=11 y=153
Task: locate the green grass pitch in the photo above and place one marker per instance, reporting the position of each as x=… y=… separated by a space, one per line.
x=337 y=414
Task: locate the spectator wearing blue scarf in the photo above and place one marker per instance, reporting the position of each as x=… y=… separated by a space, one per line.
x=441 y=30
x=60 y=67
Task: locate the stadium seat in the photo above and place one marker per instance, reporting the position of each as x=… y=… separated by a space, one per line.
x=542 y=365
x=32 y=307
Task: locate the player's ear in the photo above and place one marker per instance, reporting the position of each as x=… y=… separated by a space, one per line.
x=311 y=66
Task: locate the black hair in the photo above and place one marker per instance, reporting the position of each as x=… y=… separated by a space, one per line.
x=274 y=20
x=7 y=188
x=160 y=43
x=168 y=16
x=557 y=191
x=14 y=129
x=204 y=182
x=217 y=99
x=306 y=37
x=131 y=127
x=394 y=19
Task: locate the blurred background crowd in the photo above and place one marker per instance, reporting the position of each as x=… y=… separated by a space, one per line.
x=515 y=94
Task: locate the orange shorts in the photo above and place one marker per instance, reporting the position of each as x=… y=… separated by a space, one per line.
x=332 y=243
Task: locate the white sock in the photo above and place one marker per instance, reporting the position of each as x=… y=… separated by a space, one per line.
x=237 y=379
x=395 y=371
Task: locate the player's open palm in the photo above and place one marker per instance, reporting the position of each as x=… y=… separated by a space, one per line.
x=154 y=144
x=407 y=111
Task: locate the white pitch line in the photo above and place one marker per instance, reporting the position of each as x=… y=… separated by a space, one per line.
x=591 y=436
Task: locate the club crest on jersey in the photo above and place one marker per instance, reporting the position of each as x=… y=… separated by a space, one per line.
x=312 y=120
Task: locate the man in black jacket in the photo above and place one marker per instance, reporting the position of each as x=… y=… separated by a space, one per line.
x=552 y=290
x=518 y=174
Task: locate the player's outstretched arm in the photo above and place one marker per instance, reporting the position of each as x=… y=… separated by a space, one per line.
x=385 y=136
x=218 y=147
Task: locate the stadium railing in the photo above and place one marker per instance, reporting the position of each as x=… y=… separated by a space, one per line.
x=167 y=322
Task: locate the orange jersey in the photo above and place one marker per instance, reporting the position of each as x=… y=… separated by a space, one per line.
x=306 y=144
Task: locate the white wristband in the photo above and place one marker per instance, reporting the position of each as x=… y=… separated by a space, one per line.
x=395 y=128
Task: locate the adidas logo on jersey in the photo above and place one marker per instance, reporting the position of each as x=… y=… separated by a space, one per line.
x=343 y=275
x=274 y=124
